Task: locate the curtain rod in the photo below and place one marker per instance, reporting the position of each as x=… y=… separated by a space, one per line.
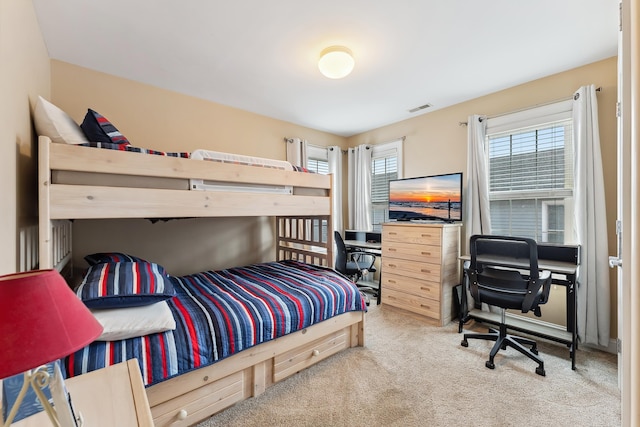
x=401 y=138
x=598 y=89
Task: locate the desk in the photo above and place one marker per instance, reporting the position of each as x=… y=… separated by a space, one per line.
x=370 y=248
x=561 y=261
x=374 y=248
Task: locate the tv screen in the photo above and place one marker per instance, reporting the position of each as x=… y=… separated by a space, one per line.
x=435 y=197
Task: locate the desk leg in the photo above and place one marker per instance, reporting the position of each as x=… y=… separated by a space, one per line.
x=379 y=299
x=464 y=309
x=572 y=318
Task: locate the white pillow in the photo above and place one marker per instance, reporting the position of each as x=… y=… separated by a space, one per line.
x=51 y=121
x=123 y=323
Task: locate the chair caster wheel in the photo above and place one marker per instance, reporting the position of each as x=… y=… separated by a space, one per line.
x=464 y=343
x=540 y=371
x=489 y=365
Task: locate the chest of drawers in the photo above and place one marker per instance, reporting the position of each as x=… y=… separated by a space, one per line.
x=420 y=267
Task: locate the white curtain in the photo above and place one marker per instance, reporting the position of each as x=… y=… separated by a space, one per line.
x=590 y=221
x=297 y=152
x=359 y=191
x=334 y=155
x=477 y=212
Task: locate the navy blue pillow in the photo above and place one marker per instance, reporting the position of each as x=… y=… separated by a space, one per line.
x=100 y=257
x=124 y=284
x=97 y=128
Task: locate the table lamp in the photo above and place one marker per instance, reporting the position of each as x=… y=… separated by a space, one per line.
x=41 y=320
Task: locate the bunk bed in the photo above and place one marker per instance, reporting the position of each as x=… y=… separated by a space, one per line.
x=78 y=182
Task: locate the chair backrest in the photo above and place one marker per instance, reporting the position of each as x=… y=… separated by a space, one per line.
x=341 y=253
x=495 y=272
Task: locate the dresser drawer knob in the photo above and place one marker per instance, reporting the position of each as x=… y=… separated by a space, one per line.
x=182 y=414
x=315 y=353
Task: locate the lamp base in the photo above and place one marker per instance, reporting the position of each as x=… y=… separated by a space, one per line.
x=39 y=379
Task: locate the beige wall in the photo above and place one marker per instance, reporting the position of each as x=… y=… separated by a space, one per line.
x=436 y=143
x=164 y=120
x=24 y=74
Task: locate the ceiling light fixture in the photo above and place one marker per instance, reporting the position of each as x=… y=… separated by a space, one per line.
x=336 y=62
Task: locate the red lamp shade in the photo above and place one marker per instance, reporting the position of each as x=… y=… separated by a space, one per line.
x=41 y=320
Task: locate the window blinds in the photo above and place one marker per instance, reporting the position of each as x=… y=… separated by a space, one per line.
x=531 y=177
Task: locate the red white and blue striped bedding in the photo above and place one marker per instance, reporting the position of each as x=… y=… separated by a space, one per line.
x=224 y=312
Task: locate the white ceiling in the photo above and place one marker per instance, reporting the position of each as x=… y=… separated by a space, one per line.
x=261 y=56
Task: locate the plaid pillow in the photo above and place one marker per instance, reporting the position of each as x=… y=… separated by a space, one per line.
x=124 y=284
x=97 y=128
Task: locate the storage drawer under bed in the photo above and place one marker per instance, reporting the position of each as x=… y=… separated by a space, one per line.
x=287 y=364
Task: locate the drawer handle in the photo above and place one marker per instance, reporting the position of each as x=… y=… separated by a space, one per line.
x=391 y=281
x=315 y=353
x=182 y=414
x=424 y=270
x=392 y=233
x=425 y=253
x=392 y=249
x=393 y=266
x=424 y=288
x=425 y=306
x=425 y=235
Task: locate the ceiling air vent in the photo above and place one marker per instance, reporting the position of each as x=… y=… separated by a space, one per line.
x=422 y=107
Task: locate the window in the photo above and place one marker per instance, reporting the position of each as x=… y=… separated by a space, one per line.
x=386 y=164
x=318 y=162
x=531 y=174
x=317 y=159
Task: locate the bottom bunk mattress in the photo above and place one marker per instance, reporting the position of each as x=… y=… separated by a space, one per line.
x=220 y=313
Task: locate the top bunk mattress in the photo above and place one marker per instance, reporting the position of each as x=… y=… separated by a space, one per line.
x=218 y=156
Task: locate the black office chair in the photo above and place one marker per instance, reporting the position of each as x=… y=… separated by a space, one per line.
x=507 y=288
x=355 y=264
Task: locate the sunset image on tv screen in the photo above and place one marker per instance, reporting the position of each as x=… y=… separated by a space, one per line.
x=431 y=197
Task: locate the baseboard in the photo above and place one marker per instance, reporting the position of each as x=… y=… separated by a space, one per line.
x=611 y=348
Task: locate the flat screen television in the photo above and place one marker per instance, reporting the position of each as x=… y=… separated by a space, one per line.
x=432 y=198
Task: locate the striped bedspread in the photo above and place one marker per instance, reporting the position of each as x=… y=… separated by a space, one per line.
x=224 y=312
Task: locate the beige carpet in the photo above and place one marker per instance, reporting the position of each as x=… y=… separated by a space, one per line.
x=412 y=374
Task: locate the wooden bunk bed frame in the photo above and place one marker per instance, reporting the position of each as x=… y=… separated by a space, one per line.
x=196 y=395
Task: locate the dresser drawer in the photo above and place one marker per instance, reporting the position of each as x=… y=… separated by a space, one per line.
x=423 y=306
x=411 y=251
x=417 y=270
x=411 y=234
x=410 y=285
